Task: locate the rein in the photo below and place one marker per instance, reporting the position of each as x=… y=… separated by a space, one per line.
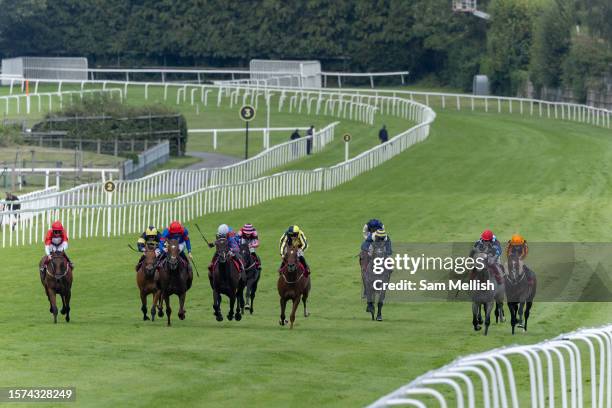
x=282 y=272
x=53 y=275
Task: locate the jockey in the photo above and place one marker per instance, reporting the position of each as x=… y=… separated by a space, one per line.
x=294 y=237
x=150 y=236
x=178 y=232
x=56 y=240
x=224 y=231
x=487 y=236
x=369 y=229
x=517 y=246
x=381 y=235
x=248 y=235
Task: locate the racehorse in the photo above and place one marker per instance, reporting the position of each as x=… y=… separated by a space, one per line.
x=485 y=297
x=292 y=284
x=225 y=279
x=521 y=284
x=377 y=250
x=57 y=279
x=174 y=278
x=252 y=275
x=145 y=279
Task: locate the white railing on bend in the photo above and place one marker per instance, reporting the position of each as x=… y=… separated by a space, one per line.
x=558 y=373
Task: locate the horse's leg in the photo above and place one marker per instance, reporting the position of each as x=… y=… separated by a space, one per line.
x=521 y=305
x=527 y=310
x=160 y=304
x=217 y=306
x=304 y=299
x=247 y=296
x=154 y=305
x=168 y=309
x=476 y=315
x=487 y=322
x=230 y=314
x=63 y=309
x=52 y=301
x=181 y=313
x=513 y=308
x=143 y=302
x=283 y=305
x=67 y=299
x=294 y=306
x=480 y=321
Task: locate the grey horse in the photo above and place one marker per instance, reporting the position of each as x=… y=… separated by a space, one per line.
x=521 y=285
x=377 y=250
x=486 y=297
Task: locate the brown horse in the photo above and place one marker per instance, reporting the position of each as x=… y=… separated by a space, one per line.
x=225 y=279
x=292 y=284
x=57 y=279
x=174 y=278
x=145 y=279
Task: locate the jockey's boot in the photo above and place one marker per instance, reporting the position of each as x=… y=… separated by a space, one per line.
x=68 y=260
x=306 y=267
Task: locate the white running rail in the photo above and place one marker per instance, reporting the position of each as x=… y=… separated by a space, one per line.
x=572 y=370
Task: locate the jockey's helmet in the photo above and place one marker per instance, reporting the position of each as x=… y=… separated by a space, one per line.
x=151 y=231
x=517 y=239
x=247 y=230
x=57 y=227
x=380 y=235
x=175 y=227
x=293 y=230
x=487 y=235
x=222 y=230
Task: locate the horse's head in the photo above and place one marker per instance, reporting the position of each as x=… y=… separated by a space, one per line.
x=150 y=260
x=58 y=265
x=174 y=252
x=482 y=260
x=222 y=247
x=516 y=272
x=291 y=259
x=378 y=249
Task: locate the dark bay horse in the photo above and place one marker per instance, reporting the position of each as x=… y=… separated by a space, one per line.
x=225 y=280
x=145 y=279
x=293 y=284
x=377 y=250
x=521 y=285
x=253 y=272
x=57 y=280
x=487 y=297
x=174 y=278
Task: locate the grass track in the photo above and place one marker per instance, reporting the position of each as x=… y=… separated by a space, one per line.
x=545 y=179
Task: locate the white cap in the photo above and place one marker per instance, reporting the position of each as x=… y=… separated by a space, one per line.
x=222 y=230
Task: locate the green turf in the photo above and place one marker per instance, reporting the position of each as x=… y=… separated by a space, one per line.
x=547 y=180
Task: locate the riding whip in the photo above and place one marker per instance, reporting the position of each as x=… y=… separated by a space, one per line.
x=132 y=248
x=202 y=235
x=195 y=267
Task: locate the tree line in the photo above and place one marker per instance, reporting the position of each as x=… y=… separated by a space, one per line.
x=551 y=43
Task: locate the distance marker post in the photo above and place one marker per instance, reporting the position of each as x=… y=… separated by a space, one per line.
x=247 y=114
x=347 y=138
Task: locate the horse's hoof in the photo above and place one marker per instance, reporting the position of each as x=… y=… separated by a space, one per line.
x=230 y=317
x=251 y=310
x=379 y=318
x=67 y=319
x=520 y=325
x=55 y=319
x=145 y=317
x=247 y=306
x=63 y=311
x=181 y=316
x=306 y=314
x=160 y=313
x=238 y=317
x=477 y=328
x=219 y=318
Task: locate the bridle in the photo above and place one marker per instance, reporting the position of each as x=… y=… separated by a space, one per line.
x=54 y=275
x=291 y=267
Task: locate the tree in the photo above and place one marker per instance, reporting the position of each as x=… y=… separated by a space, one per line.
x=551 y=42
